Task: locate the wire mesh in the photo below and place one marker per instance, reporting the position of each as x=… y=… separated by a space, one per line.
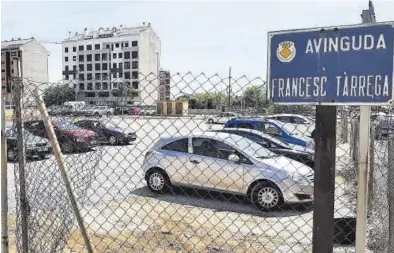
x=219 y=168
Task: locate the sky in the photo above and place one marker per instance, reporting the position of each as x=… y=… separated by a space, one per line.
x=196 y=36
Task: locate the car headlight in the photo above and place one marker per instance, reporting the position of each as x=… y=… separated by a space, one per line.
x=79 y=139
x=301 y=179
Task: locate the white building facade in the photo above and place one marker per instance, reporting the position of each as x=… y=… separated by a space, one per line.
x=97 y=63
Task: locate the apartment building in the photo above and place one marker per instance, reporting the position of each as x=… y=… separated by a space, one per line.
x=165 y=85
x=25 y=58
x=97 y=63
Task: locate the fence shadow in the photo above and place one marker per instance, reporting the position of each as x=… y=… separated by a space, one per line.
x=220 y=202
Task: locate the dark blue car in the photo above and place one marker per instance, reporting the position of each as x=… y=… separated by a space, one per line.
x=108 y=132
x=274 y=128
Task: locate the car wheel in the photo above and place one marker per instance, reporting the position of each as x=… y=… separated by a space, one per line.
x=112 y=140
x=67 y=147
x=11 y=155
x=266 y=196
x=157 y=181
x=210 y=121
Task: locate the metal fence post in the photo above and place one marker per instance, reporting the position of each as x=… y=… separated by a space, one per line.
x=63 y=167
x=390 y=192
x=4 y=192
x=371 y=170
x=344 y=129
x=21 y=163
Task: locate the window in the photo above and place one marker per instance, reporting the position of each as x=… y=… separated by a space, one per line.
x=98 y=86
x=134 y=54
x=81 y=86
x=246 y=125
x=104 y=76
x=126 y=74
x=135 y=85
x=134 y=43
x=81 y=58
x=89 y=76
x=97 y=66
x=105 y=86
x=120 y=75
x=66 y=59
x=285 y=119
x=89 y=57
x=81 y=67
x=89 y=67
x=120 y=66
x=74 y=49
x=97 y=57
x=81 y=76
x=97 y=46
x=66 y=49
x=120 y=55
x=107 y=46
x=74 y=58
x=105 y=66
x=66 y=77
x=127 y=65
x=127 y=55
x=104 y=57
x=80 y=48
x=134 y=75
x=114 y=65
x=90 y=86
x=103 y=94
x=177 y=146
x=97 y=76
x=66 y=68
x=134 y=65
x=126 y=44
x=89 y=47
x=114 y=85
x=205 y=147
x=114 y=56
x=114 y=75
x=117 y=45
x=90 y=94
x=298 y=120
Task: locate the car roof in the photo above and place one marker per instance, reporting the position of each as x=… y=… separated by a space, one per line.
x=253 y=131
x=286 y=114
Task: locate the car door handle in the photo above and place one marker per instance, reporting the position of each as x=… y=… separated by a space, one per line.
x=194 y=161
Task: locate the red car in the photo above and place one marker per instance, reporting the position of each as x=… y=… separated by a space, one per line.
x=70 y=136
x=135 y=111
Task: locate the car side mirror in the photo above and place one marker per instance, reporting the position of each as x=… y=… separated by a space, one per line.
x=233 y=158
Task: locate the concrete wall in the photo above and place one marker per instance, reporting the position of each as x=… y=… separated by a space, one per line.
x=149 y=64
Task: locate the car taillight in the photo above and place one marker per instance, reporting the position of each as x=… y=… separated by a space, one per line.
x=148 y=153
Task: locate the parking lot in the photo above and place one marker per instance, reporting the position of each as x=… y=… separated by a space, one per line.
x=110 y=187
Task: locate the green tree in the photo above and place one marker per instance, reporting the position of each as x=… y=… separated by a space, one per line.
x=57 y=95
x=256 y=96
x=124 y=90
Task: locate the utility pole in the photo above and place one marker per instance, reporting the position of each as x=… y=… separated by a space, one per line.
x=229 y=89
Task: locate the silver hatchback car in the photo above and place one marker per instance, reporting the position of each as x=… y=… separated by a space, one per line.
x=230 y=163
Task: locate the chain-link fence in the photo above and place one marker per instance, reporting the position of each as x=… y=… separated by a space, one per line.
x=233 y=175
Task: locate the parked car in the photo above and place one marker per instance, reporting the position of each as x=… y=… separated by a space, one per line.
x=384 y=128
x=229 y=163
x=126 y=110
x=54 y=110
x=285 y=132
x=304 y=123
x=98 y=111
x=108 y=132
x=35 y=145
x=222 y=118
x=70 y=136
x=301 y=154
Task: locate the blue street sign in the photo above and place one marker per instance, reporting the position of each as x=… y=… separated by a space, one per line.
x=349 y=65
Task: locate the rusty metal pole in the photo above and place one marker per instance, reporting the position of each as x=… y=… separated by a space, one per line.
x=4 y=193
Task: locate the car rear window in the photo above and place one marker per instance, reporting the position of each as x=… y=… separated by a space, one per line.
x=177 y=146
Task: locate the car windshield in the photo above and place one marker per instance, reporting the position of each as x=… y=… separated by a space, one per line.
x=250 y=148
x=110 y=125
x=66 y=126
